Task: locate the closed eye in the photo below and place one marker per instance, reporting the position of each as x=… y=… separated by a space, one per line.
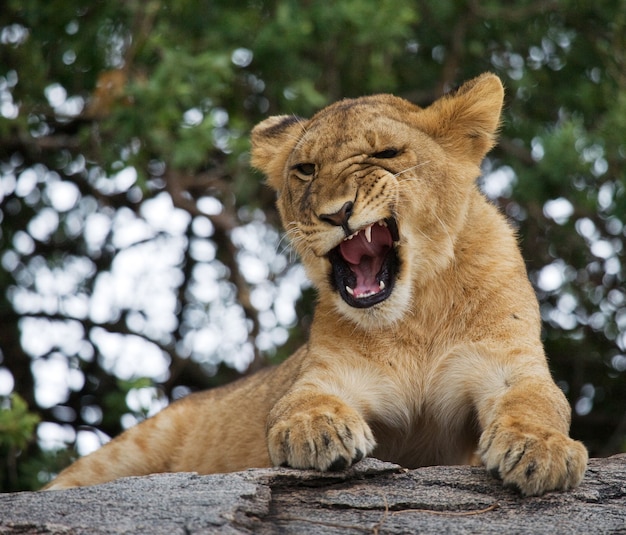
x=306 y=169
x=386 y=154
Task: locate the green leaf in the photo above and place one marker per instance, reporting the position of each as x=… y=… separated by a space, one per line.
x=17 y=423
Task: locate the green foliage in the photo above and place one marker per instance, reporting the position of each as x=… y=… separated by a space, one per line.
x=115 y=402
x=17 y=424
x=17 y=429
x=37 y=469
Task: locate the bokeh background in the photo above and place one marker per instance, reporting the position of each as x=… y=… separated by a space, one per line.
x=140 y=256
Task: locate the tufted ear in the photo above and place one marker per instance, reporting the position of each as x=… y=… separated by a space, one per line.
x=272 y=141
x=466 y=121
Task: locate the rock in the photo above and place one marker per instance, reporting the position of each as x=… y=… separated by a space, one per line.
x=372 y=497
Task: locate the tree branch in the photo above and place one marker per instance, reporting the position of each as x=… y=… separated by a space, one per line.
x=184 y=190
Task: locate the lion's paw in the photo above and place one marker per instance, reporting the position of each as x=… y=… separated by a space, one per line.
x=329 y=436
x=532 y=458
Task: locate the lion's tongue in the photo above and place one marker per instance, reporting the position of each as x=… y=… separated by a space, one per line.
x=366 y=258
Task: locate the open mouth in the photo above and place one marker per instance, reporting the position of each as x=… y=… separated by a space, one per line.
x=365 y=264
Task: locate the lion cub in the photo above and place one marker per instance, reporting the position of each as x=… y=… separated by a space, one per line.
x=425 y=348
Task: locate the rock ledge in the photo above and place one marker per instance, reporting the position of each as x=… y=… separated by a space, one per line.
x=372 y=497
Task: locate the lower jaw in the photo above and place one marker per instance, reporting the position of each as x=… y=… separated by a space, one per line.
x=385 y=317
x=366 y=301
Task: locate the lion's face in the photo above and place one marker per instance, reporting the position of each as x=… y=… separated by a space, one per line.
x=373 y=192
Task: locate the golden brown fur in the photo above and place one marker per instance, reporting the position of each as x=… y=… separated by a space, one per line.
x=426 y=351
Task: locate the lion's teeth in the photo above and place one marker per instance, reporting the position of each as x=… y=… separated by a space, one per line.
x=368 y=234
x=381 y=285
x=367 y=231
x=350 y=290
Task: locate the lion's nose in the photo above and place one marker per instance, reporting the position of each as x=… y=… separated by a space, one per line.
x=340 y=218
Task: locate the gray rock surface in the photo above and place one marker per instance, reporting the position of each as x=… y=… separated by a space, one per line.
x=372 y=497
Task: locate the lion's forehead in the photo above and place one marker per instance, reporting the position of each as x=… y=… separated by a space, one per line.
x=349 y=131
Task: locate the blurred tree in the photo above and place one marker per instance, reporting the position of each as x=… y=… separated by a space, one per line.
x=139 y=253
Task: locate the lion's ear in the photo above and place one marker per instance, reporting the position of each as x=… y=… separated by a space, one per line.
x=467 y=120
x=272 y=141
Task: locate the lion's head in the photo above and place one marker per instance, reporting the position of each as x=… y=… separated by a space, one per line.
x=374 y=191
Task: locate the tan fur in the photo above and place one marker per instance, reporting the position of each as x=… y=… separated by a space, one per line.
x=450 y=364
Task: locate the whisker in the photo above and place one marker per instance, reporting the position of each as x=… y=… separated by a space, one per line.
x=283 y=244
x=443 y=226
x=424 y=235
x=292 y=237
x=396 y=175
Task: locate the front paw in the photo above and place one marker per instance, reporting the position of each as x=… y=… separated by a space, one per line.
x=532 y=458
x=320 y=433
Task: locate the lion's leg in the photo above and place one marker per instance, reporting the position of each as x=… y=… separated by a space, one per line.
x=140 y=450
x=525 y=422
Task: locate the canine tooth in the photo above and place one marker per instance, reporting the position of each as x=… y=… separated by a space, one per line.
x=381 y=285
x=368 y=233
x=350 y=291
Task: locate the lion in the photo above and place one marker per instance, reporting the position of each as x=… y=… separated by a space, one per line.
x=425 y=346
